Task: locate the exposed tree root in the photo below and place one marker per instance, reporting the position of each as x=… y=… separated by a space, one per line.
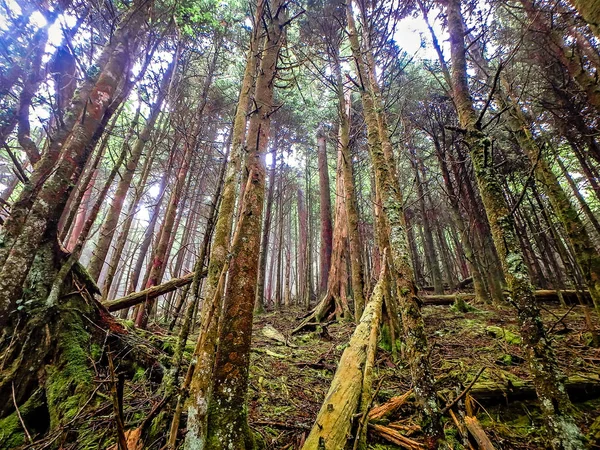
x=51 y=358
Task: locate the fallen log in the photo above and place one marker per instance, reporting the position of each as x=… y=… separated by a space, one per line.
x=542 y=295
x=578 y=387
x=334 y=421
x=150 y=293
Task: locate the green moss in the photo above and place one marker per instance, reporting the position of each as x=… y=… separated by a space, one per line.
x=96 y=352
x=69 y=381
x=452 y=438
x=12 y=434
x=503 y=333
x=460 y=306
x=140 y=375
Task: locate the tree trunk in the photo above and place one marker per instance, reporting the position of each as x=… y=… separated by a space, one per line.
x=335 y=420
x=228 y=421
x=325 y=211
x=200 y=375
x=109 y=227
x=262 y=265
x=554 y=402
x=396 y=241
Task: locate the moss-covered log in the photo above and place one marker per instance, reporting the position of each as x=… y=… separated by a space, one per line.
x=541 y=295
x=336 y=417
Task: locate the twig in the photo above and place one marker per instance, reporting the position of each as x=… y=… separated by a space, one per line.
x=19 y=415
x=464 y=392
x=122 y=440
x=20 y=172
x=561 y=319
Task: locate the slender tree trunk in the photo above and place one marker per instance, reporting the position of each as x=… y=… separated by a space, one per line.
x=160 y=254
x=109 y=227
x=228 y=420
x=262 y=265
x=554 y=402
x=325 y=211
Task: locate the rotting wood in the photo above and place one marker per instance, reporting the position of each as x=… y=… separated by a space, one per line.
x=392 y=405
x=478 y=433
x=334 y=421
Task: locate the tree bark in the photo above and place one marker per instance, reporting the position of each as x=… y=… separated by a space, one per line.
x=228 y=421
x=554 y=402
x=324 y=211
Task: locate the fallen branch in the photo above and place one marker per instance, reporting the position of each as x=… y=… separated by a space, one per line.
x=478 y=433
x=392 y=405
x=464 y=392
x=395 y=437
x=150 y=293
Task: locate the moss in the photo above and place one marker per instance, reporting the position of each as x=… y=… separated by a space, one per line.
x=69 y=381
x=34 y=415
x=140 y=375
x=452 y=438
x=96 y=352
x=503 y=333
x=460 y=306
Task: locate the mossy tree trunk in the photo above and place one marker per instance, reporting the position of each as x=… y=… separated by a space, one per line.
x=392 y=233
x=200 y=371
x=548 y=380
x=35 y=215
x=46 y=345
x=227 y=408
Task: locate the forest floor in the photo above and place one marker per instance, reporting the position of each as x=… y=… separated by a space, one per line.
x=289 y=382
x=289 y=379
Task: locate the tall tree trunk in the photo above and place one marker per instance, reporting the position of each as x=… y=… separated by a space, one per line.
x=160 y=253
x=325 y=211
x=109 y=227
x=548 y=381
x=34 y=218
x=344 y=107
x=264 y=248
x=228 y=414
x=386 y=182
x=200 y=375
